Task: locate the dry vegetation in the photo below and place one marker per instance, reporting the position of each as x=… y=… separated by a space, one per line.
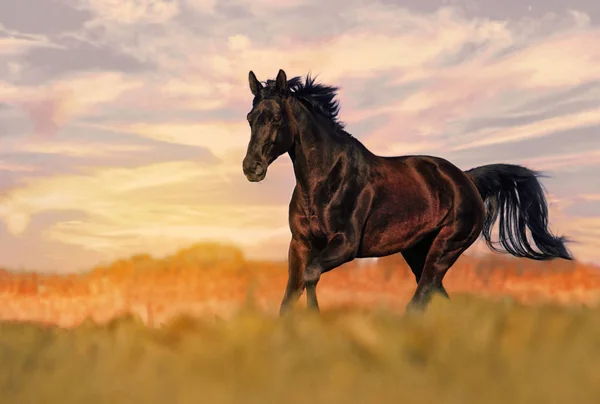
x=489 y=348
x=216 y=279
x=469 y=350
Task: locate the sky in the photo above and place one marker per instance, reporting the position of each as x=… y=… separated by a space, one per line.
x=122 y=122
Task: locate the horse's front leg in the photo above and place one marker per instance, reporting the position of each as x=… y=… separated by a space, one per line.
x=342 y=248
x=298 y=257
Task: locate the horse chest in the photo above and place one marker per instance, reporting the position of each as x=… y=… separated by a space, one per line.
x=316 y=225
x=318 y=231
x=322 y=213
x=314 y=217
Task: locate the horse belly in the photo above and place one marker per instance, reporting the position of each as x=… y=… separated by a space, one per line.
x=387 y=233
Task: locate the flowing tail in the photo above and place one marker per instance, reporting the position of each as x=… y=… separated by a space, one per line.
x=515 y=194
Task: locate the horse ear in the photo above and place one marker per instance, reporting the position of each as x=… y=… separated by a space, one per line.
x=281 y=83
x=255 y=85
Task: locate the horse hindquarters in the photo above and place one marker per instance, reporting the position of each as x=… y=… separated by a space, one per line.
x=460 y=230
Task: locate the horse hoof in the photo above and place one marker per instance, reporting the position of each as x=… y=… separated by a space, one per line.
x=415 y=307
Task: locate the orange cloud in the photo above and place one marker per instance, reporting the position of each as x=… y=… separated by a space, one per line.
x=219 y=137
x=76 y=148
x=155 y=208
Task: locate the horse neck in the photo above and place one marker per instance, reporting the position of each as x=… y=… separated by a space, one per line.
x=314 y=151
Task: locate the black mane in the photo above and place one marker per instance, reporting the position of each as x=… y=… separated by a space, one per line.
x=317 y=97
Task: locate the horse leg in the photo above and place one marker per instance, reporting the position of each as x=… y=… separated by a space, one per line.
x=341 y=248
x=415 y=256
x=311 y=278
x=311 y=296
x=445 y=249
x=298 y=255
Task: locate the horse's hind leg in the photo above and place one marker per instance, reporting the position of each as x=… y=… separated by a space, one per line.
x=445 y=249
x=416 y=255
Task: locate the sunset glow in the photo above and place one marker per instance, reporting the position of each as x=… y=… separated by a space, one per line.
x=122 y=122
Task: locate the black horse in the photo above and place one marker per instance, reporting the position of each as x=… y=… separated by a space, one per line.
x=350 y=203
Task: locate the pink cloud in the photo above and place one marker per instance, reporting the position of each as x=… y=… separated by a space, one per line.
x=47 y=114
x=4 y=166
x=53 y=105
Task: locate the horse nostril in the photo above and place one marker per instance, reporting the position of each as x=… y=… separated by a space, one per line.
x=258 y=168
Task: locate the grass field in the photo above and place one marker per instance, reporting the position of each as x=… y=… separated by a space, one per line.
x=469 y=350
x=200 y=327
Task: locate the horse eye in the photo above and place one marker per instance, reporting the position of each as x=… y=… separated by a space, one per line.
x=277 y=118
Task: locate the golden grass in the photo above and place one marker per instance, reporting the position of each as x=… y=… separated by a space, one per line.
x=467 y=350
